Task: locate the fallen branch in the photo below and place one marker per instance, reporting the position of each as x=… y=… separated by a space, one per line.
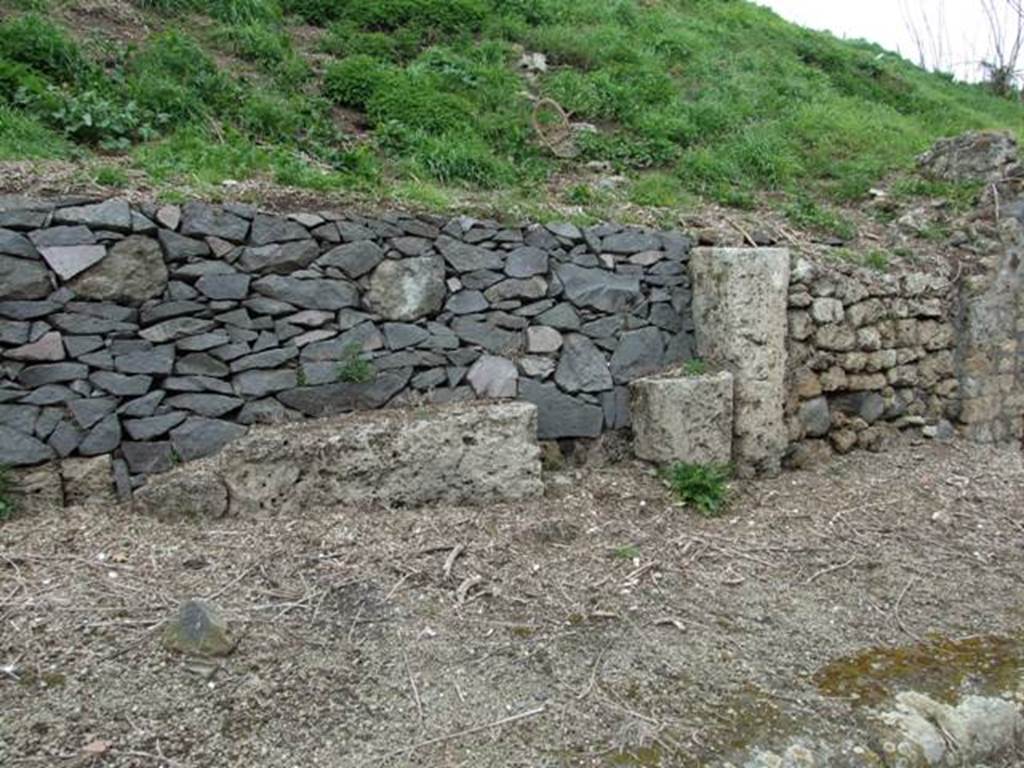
x=831 y=569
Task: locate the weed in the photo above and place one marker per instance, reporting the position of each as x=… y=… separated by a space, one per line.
x=6 y=489
x=353 y=81
x=111 y=176
x=702 y=486
x=877 y=260
x=695 y=367
x=628 y=552
x=354 y=368
x=43 y=46
x=804 y=212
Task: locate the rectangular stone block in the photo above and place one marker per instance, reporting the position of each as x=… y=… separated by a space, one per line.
x=685 y=419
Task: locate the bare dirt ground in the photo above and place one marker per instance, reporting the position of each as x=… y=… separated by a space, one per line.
x=601 y=625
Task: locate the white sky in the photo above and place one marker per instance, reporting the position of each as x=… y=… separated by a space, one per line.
x=958 y=39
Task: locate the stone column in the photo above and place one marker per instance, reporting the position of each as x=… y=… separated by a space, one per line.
x=739 y=308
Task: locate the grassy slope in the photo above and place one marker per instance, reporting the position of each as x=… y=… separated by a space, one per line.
x=693 y=99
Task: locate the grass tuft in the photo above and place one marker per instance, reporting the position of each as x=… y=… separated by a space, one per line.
x=703 y=487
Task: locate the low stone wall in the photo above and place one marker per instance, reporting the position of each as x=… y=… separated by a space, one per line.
x=869 y=354
x=159 y=334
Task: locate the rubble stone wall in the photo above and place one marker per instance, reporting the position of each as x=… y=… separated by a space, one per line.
x=155 y=335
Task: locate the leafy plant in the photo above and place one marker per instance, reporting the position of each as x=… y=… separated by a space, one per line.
x=701 y=486
x=695 y=367
x=353 y=81
x=628 y=552
x=6 y=502
x=40 y=44
x=94 y=118
x=354 y=368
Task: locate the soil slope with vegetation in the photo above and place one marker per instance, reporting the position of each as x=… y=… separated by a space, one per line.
x=673 y=103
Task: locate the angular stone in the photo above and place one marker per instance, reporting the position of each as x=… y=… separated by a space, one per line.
x=494 y=377
x=19 y=417
x=121 y=385
x=88 y=411
x=468 y=258
x=260 y=383
x=200 y=364
x=143 y=406
x=178 y=328
x=224 y=287
x=599 y=289
x=582 y=367
x=153 y=426
x=466 y=303
x=14 y=332
x=68 y=261
x=50 y=394
x=261 y=305
x=541 y=340
x=559 y=415
x=480 y=280
x=267 y=411
x=280 y=259
x=864 y=405
x=616 y=406
x=341 y=397
x=104 y=437
x=531 y=288
x=114 y=214
x=816 y=417
x=310 y=318
x=15 y=244
x=180 y=248
x=537 y=367
x=204 y=220
x=526 y=262
x=199 y=437
x=82 y=345
x=156 y=361
x=407 y=289
x=198 y=629
x=631 y=242
x=18 y=449
x=27 y=310
x=60 y=236
x=148 y=458
x=155 y=313
x=211 y=406
x=23 y=279
x=49 y=347
x=638 y=353
x=684 y=419
x=202 y=342
x=275 y=229
x=74 y=322
x=65 y=438
x=491 y=338
x=52 y=373
x=429 y=379
x=402 y=335
x=309 y=294
x=272 y=358
x=197 y=384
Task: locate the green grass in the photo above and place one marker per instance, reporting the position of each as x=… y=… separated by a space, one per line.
x=701 y=486
x=354 y=368
x=695 y=367
x=691 y=100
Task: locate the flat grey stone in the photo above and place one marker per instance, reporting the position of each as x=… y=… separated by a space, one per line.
x=199 y=437
x=604 y=328
x=309 y=294
x=19 y=417
x=272 y=358
x=559 y=415
x=599 y=289
x=23 y=279
x=27 y=310
x=148 y=458
x=410 y=246
x=211 y=406
x=664 y=316
x=468 y=258
x=157 y=361
x=177 y=328
x=143 y=406
x=18 y=449
x=280 y=258
x=166 y=310
x=526 y=262
x=82 y=345
x=52 y=373
x=75 y=322
x=639 y=353
x=13 y=332
x=495 y=340
x=261 y=383
x=14 y=244
x=407 y=289
x=68 y=261
x=261 y=305
x=202 y=220
x=355 y=259
x=429 y=379
x=198 y=629
x=466 y=303
x=180 y=248
x=50 y=394
x=88 y=411
x=220 y=287
x=530 y=288
x=562 y=317
x=565 y=230
x=200 y=364
x=62 y=236
x=350 y=231
x=152 y=427
x=362 y=338
x=112 y=214
x=230 y=352
x=542 y=340
x=816 y=417
x=481 y=279
x=104 y=437
x=266 y=411
x=535 y=367
x=239 y=318
x=121 y=385
x=402 y=335
x=275 y=229
x=582 y=366
x=310 y=318
x=65 y=439
x=631 y=242
x=197 y=384
x=343 y=397
x=48 y=347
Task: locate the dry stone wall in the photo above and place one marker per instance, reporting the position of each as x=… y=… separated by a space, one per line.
x=159 y=334
x=869 y=354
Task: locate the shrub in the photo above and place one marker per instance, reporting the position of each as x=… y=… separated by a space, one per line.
x=702 y=486
x=101 y=120
x=353 y=367
x=353 y=81
x=415 y=103
x=40 y=44
x=20 y=83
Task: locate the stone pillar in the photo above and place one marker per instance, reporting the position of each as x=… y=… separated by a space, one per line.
x=739 y=308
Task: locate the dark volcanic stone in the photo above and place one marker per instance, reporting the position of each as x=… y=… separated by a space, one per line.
x=558 y=414
x=342 y=397
x=199 y=437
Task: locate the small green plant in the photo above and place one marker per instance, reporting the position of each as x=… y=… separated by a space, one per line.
x=354 y=368
x=353 y=81
x=704 y=487
x=6 y=503
x=695 y=367
x=877 y=260
x=628 y=552
x=111 y=176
